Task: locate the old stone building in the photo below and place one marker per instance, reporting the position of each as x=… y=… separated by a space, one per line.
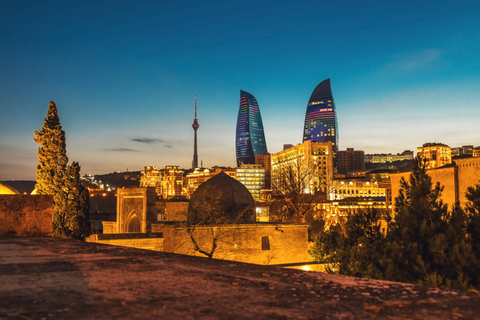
x=220 y=221
x=455 y=178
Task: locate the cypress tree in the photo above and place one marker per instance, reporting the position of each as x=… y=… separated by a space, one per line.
x=52 y=154
x=71 y=213
x=70 y=198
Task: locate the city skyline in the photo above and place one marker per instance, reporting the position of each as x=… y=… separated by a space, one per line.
x=123 y=77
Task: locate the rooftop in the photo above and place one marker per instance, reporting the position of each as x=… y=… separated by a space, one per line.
x=55 y=278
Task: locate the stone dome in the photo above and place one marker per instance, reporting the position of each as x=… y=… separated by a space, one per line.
x=4 y=189
x=221 y=199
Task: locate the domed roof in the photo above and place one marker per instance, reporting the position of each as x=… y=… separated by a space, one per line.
x=221 y=199
x=4 y=189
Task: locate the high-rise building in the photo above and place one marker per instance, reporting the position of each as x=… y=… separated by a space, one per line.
x=321 y=117
x=172 y=182
x=436 y=154
x=350 y=160
x=252 y=176
x=150 y=176
x=250 y=138
x=309 y=165
x=265 y=160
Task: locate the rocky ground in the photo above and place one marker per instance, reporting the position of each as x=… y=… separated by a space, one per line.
x=47 y=278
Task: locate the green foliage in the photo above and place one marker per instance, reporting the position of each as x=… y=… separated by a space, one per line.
x=355 y=251
x=473 y=232
x=71 y=217
x=52 y=154
x=70 y=198
x=426 y=242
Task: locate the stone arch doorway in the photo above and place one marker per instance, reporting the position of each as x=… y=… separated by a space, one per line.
x=134 y=225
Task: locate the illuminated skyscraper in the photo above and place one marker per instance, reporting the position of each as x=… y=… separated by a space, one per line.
x=321 y=117
x=250 y=139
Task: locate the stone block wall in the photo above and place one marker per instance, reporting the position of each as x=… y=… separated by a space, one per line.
x=26 y=215
x=176 y=211
x=140 y=241
x=455 y=179
x=468 y=176
x=253 y=243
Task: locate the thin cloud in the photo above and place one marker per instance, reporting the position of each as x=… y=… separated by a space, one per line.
x=413 y=61
x=120 y=150
x=147 y=140
x=168 y=146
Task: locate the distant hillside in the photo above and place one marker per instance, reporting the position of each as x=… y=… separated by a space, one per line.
x=120 y=179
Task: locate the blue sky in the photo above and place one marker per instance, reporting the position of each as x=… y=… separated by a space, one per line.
x=124 y=74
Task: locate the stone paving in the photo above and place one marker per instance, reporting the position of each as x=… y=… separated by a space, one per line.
x=48 y=278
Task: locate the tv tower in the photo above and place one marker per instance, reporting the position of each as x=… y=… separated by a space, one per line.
x=195 y=126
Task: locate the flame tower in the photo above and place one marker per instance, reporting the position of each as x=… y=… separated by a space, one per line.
x=321 y=116
x=195 y=126
x=250 y=138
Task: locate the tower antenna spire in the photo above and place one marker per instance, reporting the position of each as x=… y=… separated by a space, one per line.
x=195 y=105
x=195 y=126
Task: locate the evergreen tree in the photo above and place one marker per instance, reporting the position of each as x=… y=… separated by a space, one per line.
x=473 y=232
x=71 y=210
x=427 y=242
x=358 y=250
x=70 y=198
x=52 y=154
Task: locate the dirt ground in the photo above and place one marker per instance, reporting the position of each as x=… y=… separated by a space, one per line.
x=48 y=278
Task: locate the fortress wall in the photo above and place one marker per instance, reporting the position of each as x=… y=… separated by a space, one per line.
x=26 y=215
x=287 y=243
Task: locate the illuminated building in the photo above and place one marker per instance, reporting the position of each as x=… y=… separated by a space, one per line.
x=194 y=179
x=321 y=117
x=436 y=154
x=462 y=151
x=150 y=176
x=172 y=182
x=250 y=138
x=383 y=157
x=195 y=126
x=252 y=176
x=265 y=160
x=476 y=151
x=311 y=159
x=350 y=160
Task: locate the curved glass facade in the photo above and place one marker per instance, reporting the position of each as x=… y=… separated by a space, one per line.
x=250 y=139
x=321 y=116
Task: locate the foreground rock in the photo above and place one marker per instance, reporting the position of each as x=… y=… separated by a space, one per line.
x=65 y=279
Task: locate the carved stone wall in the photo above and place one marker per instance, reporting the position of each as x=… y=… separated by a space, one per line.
x=135 y=210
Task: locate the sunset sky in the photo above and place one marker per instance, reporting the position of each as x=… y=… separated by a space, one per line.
x=124 y=73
